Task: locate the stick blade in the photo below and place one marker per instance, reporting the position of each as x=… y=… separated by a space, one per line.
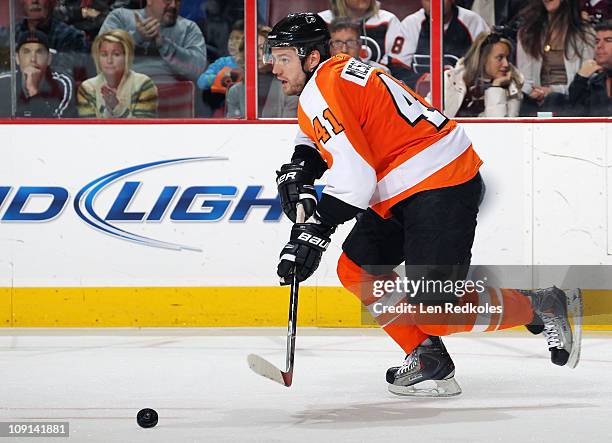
x=266 y=369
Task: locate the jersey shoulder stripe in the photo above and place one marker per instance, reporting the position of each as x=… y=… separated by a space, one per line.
x=327 y=16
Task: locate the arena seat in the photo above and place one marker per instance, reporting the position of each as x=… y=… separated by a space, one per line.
x=176 y=100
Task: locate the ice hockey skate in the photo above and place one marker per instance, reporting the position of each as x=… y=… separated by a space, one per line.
x=428 y=371
x=561 y=315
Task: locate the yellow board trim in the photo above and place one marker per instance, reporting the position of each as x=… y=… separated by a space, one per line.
x=6 y=307
x=167 y=307
x=207 y=307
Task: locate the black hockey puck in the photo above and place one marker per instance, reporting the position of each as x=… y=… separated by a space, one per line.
x=147 y=418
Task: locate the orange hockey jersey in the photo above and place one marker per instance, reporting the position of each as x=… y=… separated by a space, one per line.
x=382 y=143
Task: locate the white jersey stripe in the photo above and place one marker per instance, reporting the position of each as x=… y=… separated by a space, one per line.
x=422 y=165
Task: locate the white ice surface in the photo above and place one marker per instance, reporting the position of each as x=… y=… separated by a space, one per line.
x=199 y=382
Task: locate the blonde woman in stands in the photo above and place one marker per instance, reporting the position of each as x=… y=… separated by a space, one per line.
x=553 y=43
x=117 y=91
x=484 y=83
x=380 y=29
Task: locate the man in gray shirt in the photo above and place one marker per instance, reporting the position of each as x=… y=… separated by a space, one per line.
x=168 y=47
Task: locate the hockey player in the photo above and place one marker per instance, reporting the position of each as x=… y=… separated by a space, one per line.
x=410 y=176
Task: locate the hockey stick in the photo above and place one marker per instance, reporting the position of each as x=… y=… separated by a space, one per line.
x=262 y=366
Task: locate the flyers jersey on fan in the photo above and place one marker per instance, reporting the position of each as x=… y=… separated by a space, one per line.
x=382 y=143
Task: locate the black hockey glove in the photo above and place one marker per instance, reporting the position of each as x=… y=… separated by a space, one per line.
x=304 y=250
x=295 y=185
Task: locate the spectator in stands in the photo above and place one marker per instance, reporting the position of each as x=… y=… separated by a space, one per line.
x=484 y=83
x=590 y=93
x=117 y=91
x=596 y=11
x=553 y=43
x=271 y=101
x=168 y=47
x=379 y=29
x=41 y=92
x=220 y=72
x=345 y=39
x=461 y=26
x=70 y=44
x=86 y=15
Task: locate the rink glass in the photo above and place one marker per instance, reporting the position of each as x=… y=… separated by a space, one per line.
x=207 y=104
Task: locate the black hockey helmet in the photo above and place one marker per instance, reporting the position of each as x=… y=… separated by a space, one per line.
x=305 y=31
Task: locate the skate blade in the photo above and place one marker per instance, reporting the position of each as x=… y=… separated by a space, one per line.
x=429 y=388
x=575 y=312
